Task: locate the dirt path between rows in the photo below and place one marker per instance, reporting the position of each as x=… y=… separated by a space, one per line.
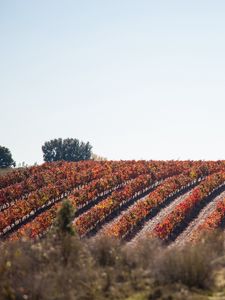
x=109 y=224
x=129 y=207
x=150 y=225
x=187 y=233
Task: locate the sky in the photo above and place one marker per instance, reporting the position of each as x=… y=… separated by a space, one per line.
x=137 y=79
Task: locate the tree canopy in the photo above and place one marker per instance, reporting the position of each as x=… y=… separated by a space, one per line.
x=67 y=149
x=6 y=158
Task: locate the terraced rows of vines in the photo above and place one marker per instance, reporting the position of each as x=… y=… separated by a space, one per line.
x=175 y=201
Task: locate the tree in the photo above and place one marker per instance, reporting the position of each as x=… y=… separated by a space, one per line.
x=64 y=232
x=68 y=150
x=6 y=158
x=64 y=219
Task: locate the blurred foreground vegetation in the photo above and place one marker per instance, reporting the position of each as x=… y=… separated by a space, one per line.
x=60 y=266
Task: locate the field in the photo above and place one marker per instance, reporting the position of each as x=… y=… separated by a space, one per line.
x=144 y=230
x=174 y=201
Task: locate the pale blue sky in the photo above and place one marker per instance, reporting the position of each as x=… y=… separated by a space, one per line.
x=138 y=79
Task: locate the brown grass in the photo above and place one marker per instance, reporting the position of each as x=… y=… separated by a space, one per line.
x=4 y=171
x=64 y=267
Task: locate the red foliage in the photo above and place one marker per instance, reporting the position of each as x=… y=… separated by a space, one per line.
x=168 y=224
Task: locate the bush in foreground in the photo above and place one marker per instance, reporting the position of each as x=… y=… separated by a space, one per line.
x=61 y=266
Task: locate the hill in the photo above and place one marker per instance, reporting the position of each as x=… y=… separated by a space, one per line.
x=174 y=201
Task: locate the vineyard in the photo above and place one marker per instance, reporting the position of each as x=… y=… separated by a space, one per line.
x=171 y=200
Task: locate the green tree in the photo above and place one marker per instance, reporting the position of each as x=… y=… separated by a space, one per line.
x=67 y=149
x=64 y=219
x=6 y=158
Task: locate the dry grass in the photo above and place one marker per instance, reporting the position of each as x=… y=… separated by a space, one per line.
x=64 y=267
x=4 y=171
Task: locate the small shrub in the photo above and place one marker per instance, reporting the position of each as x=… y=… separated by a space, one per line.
x=144 y=253
x=105 y=250
x=190 y=266
x=64 y=219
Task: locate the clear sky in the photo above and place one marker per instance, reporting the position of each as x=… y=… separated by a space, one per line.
x=137 y=79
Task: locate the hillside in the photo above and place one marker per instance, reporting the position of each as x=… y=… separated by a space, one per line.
x=174 y=201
